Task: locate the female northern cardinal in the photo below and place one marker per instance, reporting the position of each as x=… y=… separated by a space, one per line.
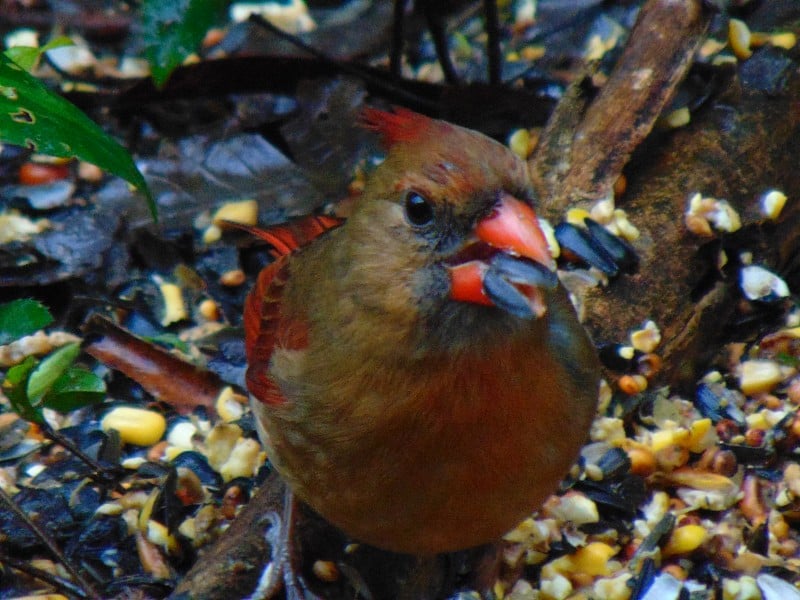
x=418 y=374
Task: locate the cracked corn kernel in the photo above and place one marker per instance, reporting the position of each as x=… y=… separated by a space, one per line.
x=174 y=306
x=159 y=535
x=647 y=338
x=243 y=211
x=593 y=558
x=772 y=204
x=612 y=588
x=643 y=462
x=702 y=435
x=558 y=587
x=212 y=234
x=786 y=40
x=576 y=508
x=761 y=375
x=230 y=405
x=243 y=461
x=325 y=570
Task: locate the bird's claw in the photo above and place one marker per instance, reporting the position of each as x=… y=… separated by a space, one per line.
x=280 y=573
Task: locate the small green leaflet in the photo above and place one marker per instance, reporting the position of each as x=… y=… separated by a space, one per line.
x=74 y=389
x=14 y=387
x=52 y=383
x=19 y=318
x=27 y=56
x=50 y=369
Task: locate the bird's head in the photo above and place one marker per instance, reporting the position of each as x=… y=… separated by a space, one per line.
x=445 y=229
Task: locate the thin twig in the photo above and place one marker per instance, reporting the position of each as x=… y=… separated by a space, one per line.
x=398 y=38
x=86 y=585
x=493 y=51
x=346 y=68
x=63 y=585
x=100 y=474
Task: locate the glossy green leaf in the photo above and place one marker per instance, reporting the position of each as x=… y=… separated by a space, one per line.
x=33 y=116
x=19 y=318
x=14 y=387
x=75 y=389
x=50 y=369
x=27 y=56
x=173 y=30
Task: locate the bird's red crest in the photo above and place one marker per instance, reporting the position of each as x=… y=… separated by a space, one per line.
x=400 y=125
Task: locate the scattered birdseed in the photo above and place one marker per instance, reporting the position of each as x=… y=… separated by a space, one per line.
x=772 y=203
x=758 y=283
x=739 y=38
x=703 y=212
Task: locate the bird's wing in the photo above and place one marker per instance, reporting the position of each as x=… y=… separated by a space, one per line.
x=264 y=321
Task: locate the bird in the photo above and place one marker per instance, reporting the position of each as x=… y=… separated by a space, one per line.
x=417 y=372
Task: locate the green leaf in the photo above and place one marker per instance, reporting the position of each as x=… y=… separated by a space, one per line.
x=28 y=56
x=75 y=388
x=14 y=387
x=19 y=318
x=169 y=341
x=49 y=370
x=173 y=30
x=33 y=116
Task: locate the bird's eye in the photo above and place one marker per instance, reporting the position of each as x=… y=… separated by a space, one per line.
x=418 y=209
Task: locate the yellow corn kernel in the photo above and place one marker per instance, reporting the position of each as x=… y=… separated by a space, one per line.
x=135 y=425
x=685 y=539
x=701 y=435
x=647 y=338
x=519 y=142
x=212 y=234
x=757 y=421
x=665 y=438
x=576 y=216
x=739 y=38
x=772 y=204
x=174 y=306
x=786 y=40
x=593 y=559
x=760 y=375
x=230 y=405
x=677 y=118
x=244 y=212
x=244 y=460
x=159 y=535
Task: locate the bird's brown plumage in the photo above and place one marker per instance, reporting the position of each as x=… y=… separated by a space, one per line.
x=415 y=422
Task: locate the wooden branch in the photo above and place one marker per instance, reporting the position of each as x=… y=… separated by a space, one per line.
x=585 y=146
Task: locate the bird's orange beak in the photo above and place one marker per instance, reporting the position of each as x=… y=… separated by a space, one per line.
x=514 y=263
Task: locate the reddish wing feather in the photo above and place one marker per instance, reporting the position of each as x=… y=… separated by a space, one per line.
x=264 y=323
x=293 y=235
